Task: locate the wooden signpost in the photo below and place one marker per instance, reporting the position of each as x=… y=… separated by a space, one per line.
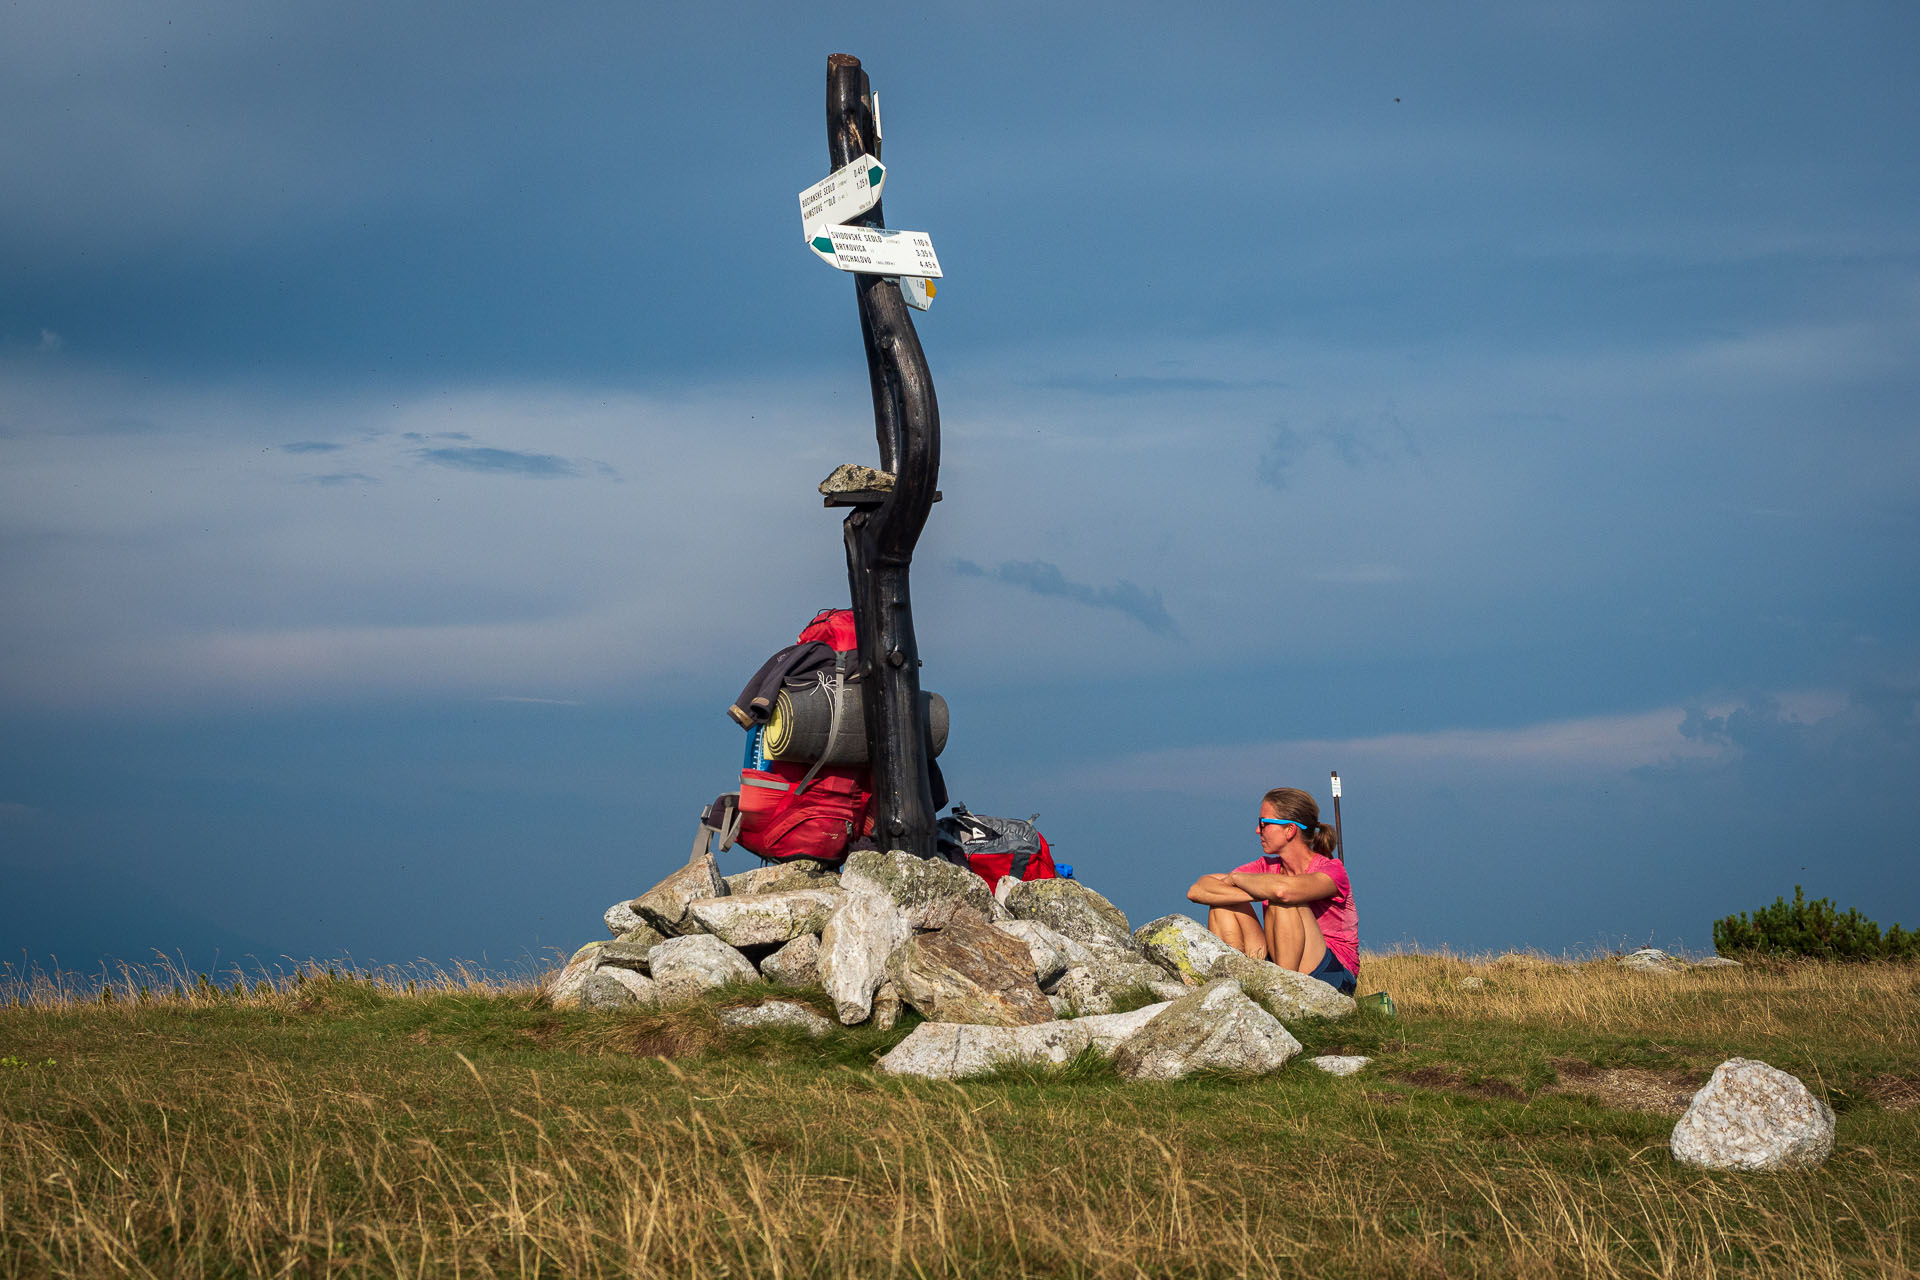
x=880 y=534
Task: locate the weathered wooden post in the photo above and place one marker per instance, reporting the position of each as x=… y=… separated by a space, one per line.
x=880 y=538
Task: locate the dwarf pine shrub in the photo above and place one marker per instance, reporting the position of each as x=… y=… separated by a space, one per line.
x=1817 y=928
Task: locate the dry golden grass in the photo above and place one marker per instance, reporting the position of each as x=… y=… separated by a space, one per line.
x=1858 y=1002
x=339 y=1128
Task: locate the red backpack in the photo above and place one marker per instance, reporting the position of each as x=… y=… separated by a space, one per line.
x=996 y=847
x=807 y=811
x=833 y=628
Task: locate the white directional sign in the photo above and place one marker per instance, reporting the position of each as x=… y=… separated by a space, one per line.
x=847 y=192
x=917 y=291
x=875 y=251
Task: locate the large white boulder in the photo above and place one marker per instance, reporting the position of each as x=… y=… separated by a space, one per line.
x=1753 y=1118
x=1182 y=946
x=1217 y=1028
x=859 y=939
x=955 y=1050
x=764 y=919
x=683 y=968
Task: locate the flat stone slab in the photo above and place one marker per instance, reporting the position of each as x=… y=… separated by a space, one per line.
x=1335 y=1064
x=777 y=1013
x=852 y=477
x=781 y=876
x=765 y=919
x=621 y=954
x=956 y=1050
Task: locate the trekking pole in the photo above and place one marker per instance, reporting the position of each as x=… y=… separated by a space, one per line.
x=1339 y=846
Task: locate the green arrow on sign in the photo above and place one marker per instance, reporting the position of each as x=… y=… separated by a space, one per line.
x=823 y=244
x=842 y=195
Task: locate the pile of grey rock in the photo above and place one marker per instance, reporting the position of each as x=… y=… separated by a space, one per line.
x=1028 y=973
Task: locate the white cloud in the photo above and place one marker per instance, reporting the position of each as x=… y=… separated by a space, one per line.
x=228 y=541
x=1586 y=749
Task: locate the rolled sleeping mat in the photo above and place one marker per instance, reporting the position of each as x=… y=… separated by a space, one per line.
x=802 y=714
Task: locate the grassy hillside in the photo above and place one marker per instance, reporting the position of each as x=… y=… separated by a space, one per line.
x=340 y=1126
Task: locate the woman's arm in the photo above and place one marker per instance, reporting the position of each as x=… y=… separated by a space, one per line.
x=1217 y=891
x=1288 y=891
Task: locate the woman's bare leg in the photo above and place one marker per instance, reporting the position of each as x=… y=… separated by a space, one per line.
x=1239 y=928
x=1294 y=940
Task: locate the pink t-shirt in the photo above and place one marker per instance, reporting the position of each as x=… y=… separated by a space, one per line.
x=1335 y=916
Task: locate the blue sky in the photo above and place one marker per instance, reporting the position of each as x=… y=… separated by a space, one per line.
x=409 y=420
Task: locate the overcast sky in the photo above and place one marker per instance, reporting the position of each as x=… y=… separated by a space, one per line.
x=410 y=418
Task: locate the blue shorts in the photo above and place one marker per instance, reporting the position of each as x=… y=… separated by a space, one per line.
x=1334 y=974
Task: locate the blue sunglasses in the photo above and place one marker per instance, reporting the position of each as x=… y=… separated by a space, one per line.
x=1282 y=822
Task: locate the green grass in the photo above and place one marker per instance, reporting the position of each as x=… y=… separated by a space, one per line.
x=346 y=1127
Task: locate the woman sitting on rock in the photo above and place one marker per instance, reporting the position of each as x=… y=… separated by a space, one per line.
x=1310 y=926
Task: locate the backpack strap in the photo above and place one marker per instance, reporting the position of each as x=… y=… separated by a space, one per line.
x=839 y=702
